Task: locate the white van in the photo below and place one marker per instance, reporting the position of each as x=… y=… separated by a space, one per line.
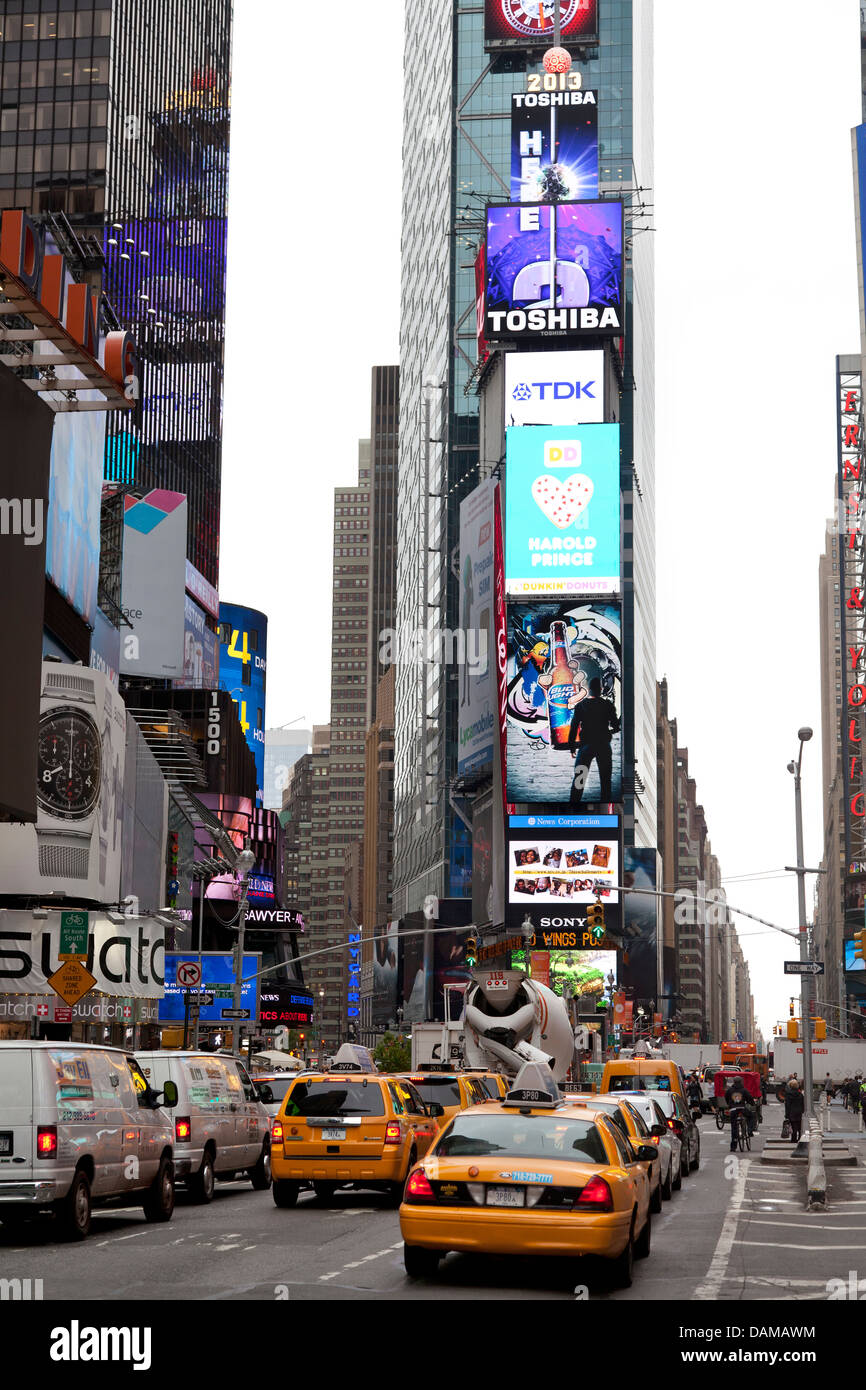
x=221 y=1127
x=81 y=1127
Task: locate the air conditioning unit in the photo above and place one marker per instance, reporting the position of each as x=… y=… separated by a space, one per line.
x=75 y=846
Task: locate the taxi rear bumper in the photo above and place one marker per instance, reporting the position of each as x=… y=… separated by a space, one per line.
x=301 y=1167
x=501 y=1232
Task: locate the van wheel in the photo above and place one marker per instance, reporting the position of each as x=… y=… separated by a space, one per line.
x=74 y=1210
x=159 y=1199
x=260 y=1176
x=201 y=1184
x=420 y=1263
x=285 y=1194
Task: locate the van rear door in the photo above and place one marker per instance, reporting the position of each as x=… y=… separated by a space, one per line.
x=17 y=1128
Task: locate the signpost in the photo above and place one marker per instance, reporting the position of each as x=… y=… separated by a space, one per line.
x=72 y=981
x=189 y=973
x=235 y=1013
x=74 y=934
x=804 y=967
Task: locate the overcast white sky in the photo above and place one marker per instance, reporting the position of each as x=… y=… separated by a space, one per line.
x=756 y=293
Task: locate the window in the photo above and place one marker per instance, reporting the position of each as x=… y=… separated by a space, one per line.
x=623 y=1147
x=474 y=1134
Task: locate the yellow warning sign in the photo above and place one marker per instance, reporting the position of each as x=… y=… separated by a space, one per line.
x=72 y=981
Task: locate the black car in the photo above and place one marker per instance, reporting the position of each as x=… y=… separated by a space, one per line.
x=679 y=1118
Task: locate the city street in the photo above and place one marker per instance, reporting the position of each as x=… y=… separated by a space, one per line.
x=734 y=1232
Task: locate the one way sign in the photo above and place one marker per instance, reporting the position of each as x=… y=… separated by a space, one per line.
x=804 y=967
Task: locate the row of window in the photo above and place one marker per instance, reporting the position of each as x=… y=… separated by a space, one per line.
x=54 y=158
x=58 y=115
x=83 y=24
x=51 y=72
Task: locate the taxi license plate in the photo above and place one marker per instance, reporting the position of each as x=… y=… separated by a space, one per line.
x=329 y=1135
x=505 y=1197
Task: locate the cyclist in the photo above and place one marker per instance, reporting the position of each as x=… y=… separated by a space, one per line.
x=795 y=1104
x=739 y=1102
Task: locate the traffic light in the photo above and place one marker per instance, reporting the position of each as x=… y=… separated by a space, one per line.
x=819 y=1029
x=471 y=948
x=860 y=945
x=791 y=1008
x=302 y=1036
x=793 y=1029
x=595 y=921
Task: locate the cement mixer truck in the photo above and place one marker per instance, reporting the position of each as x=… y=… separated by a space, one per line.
x=510 y=1019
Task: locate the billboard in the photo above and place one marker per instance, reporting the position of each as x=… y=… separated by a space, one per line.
x=562 y=510
x=178 y=400
x=641 y=944
x=529 y=22
x=554 y=146
x=284 y=1005
x=154 y=572
x=585 y=972
x=217 y=979
x=176 y=267
x=555 y=270
x=243 y=663
x=24 y=490
x=386 y=951
x=125 y=956
x=200 y=652
x=554 y=877
x=476 y=717
x=564 y=677
x=72 y=539
x=554 y=388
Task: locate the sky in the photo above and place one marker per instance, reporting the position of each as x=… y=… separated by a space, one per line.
x=756 y=293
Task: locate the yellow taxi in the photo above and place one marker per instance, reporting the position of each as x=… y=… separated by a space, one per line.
x=350 y=1126
x=642 y=1073
x=494 y=1085
x=453 y=1090
x=630 y=1123
x=531 y=1175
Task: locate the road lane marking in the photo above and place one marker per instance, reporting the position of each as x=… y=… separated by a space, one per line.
x=711 y=1285
x=803 y=1225
x=356 y=1264
x=234 y=1246
x=779 y=1245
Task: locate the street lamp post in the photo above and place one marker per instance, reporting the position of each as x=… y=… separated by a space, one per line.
x=320 y=1049
x=806 y=984
x=246 y=860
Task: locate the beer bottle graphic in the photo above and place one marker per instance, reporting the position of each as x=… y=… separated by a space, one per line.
x=561 y=682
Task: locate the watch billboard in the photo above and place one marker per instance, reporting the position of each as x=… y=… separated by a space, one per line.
x=564 y=703
x=554 y=270
x=554 y=388
x=530 y=22
x=562 y=510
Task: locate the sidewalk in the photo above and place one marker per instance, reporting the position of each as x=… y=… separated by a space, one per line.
x=841 y=1121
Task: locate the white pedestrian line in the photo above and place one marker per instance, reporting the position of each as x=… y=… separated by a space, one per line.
x=776 y=1282
x=356 y=1264
x=803 y=1225
x=131 y=1236
x=779 y=1245
x=234 y=1246
x=709 y=1289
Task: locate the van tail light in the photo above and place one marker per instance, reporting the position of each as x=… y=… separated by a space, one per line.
x=393 y=1133
x=596 y=1196
x=182 y=1129
x=277 y=1132
x=46 y=1141
x=418 y=1188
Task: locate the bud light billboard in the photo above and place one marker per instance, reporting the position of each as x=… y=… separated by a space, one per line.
x=521 y=23
x=554 y=270
x=564 y=704
x=554 y=388
x=243 y=664
x=562 y=510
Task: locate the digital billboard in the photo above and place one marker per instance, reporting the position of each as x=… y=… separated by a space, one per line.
x=527 y=22
x=476 y=721
x=288 y=1006
x=200 y=651
x=72 y=533
x=154 y=568
x=554 y=270
x=217 y=979
x=243 y=664
x=554 y=877
x=554 y=146
x=585 y=972
x=178 y=401
x=175 y=266
x=386 y=951
x=564 y=679
x=554 y=388
x=562 y=510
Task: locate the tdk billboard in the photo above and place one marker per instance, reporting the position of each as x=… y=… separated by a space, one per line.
x=554 y=388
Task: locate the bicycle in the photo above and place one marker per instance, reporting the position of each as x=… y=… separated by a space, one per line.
x=721 y=1118
x=744 y=1138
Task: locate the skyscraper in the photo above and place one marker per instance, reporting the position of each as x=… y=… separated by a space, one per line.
x=456 y=159
x=114 y=128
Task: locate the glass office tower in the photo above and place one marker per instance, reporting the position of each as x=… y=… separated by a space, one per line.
x=114 y=130
x=456 y=152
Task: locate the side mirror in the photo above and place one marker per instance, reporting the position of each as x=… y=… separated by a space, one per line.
x=647 y=1153
x=434 y=1109
x=265 y=1094
x=169 y=1095
x=658 y=1130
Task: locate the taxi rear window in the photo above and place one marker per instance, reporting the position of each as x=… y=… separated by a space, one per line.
x=335 y=1098
x=445 y=1090
x=473 y=1135
x=646 y=1082
x=278 y=1084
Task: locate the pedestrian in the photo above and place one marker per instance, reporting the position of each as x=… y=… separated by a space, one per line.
x=828 y=1088
x=844 y=1089
x=854 y=1093
x=795 y=1104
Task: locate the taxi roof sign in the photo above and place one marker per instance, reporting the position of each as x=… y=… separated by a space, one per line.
x=353 y=1057
x=534 y=1085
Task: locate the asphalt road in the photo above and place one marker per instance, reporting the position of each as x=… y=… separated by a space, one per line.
x=737 y=1230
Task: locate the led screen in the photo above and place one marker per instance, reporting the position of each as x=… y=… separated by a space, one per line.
x=564 y=677
x=585 y=972
x=555 y=270
x=554 y=146
x=562 y=510
x=554 y=388
x=532 y=21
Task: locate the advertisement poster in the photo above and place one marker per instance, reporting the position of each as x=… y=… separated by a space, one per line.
x=532 y=21
x=554 y=147
x=476 y=712
x=154 y=570
x=564 y=676
x=200 y=650
x=562 y=510
x=587 y=973
x=243 y=665
x=641 y=946
x=483 y=894
x=554 y=269
x=552 y=871
x=554 y=388
x=385 y=976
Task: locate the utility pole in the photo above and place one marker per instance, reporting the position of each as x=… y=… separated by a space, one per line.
x=806 y=980
x=246 y=860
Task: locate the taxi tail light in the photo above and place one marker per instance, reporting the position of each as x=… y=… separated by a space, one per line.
x=393 y=1133
x=596 y=1196
x=418 y=1188
x=277 y=1132
x=46 y=1141
x=182 y=1129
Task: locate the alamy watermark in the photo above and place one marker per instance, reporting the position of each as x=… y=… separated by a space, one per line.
x=23 y=516
x=435 y=646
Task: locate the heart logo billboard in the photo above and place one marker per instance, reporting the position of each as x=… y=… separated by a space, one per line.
x=562 y=502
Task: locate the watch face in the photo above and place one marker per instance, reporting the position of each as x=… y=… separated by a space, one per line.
x=535 y=17
x=70 y=760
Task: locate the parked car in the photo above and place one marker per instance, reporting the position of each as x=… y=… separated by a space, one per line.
x=630 y=1123
x=221 y=1127
x=666 y=1139
x=81 y=1127
x=679 y=1118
